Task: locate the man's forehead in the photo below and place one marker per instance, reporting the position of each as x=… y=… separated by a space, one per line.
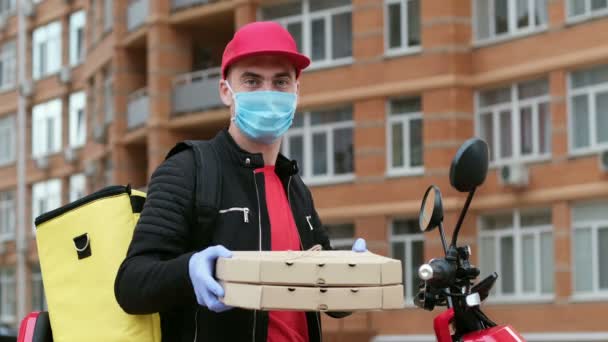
x=264 y=65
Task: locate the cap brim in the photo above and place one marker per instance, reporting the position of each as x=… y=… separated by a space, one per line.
x=299 y=61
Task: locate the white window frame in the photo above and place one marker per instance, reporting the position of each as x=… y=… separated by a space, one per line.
x=48 y=36
x=408 y=240
x=77 y=22
x=78 y=135
x=306 y=18
x=517 y=233
x=7 y=130
x=78 y=185
x=8 y=57
x=12 y=8
x=404 y=119
x=306 y=132
x=514 y=106
x=8 y=285
x=49 y=192
x=596 y=292
x=589 y=13
x=38 y=285
x=590 y=91
x=513 y=32
x=108 y=15
x=8 y=208
x=41 y=115
x=405 y=48
x=108 y=98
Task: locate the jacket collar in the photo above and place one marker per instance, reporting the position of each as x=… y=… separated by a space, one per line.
x=283 y=165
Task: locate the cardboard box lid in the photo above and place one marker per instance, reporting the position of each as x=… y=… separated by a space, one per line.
x=274 y=297
x=312 y=268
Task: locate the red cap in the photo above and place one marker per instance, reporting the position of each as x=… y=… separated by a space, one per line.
x=263 y=38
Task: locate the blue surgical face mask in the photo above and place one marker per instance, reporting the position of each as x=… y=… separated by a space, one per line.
x=263 y=116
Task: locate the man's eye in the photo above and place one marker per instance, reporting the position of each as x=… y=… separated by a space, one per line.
x=251 y=82
x=282 y=83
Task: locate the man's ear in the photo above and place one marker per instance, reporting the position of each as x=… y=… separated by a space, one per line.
x=225 y=94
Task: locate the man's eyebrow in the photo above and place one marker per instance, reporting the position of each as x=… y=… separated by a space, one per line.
x=250 y=74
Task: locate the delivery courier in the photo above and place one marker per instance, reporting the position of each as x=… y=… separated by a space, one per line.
x=258 y=203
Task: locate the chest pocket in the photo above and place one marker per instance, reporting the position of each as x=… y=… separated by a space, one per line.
x=237 y=228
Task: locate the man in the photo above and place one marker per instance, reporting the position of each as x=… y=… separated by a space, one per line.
x=264 y=206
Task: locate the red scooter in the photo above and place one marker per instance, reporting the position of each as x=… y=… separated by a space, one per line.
x=448 y=281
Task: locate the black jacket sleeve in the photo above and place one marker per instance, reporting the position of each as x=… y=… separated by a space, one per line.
x=154 y=277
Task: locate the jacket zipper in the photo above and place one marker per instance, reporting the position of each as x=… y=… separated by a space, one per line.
x=289 y=201
x=302 y=247
x=244 y=210
x=257 y=194
x=196 y=324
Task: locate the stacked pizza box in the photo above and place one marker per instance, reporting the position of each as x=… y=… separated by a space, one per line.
x=311 y=281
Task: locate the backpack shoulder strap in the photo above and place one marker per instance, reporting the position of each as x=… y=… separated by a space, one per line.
x=207 y=182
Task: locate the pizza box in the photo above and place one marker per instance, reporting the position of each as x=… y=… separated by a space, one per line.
x=278 y=297
x=309 y=268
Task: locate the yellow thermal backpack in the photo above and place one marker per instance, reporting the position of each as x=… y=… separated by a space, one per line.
x=81 y=246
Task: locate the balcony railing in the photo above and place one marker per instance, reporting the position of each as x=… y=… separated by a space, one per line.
x=137 y=13
x=179 y=4
x=138 y=109
x=196 y=91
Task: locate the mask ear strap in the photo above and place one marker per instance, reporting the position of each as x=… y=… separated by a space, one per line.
x=233 y=117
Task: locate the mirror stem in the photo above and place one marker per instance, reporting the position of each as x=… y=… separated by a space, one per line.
x=462 y=214
x=443 y=242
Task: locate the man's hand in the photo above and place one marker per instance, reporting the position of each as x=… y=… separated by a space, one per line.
x=359 y=246
x=201 y=267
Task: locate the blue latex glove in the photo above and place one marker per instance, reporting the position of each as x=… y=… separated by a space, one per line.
x=359 y=246
x=202 y=268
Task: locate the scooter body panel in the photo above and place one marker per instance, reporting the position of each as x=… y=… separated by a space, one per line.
x=503 y=333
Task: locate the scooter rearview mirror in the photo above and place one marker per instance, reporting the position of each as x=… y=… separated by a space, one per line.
x=431 y=210
x=470 y=165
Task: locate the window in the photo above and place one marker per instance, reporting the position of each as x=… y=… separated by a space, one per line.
x=341 y=236
x=77 y=187
x=322 y=29
x=407 y=245
x=8 y=68
x=402 y=19
x=405 y=148
x=8 y=295
x=38 y=297
x=46 y=196
x=47 y=50
x=583 y=9
x=515 y=121
x=77 y=50
x=495 y=19
x=518 y=246
x=322 y=143
x=588 y=102
x=7 y=8
x=46 y=128
x=7 y=215
x=590 y=255
x=108 y=171
x=78 y=119
x=7 y=140
x=108 y=15
x=108 y=96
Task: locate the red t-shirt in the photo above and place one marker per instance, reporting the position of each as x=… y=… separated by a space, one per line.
x=282 y=325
